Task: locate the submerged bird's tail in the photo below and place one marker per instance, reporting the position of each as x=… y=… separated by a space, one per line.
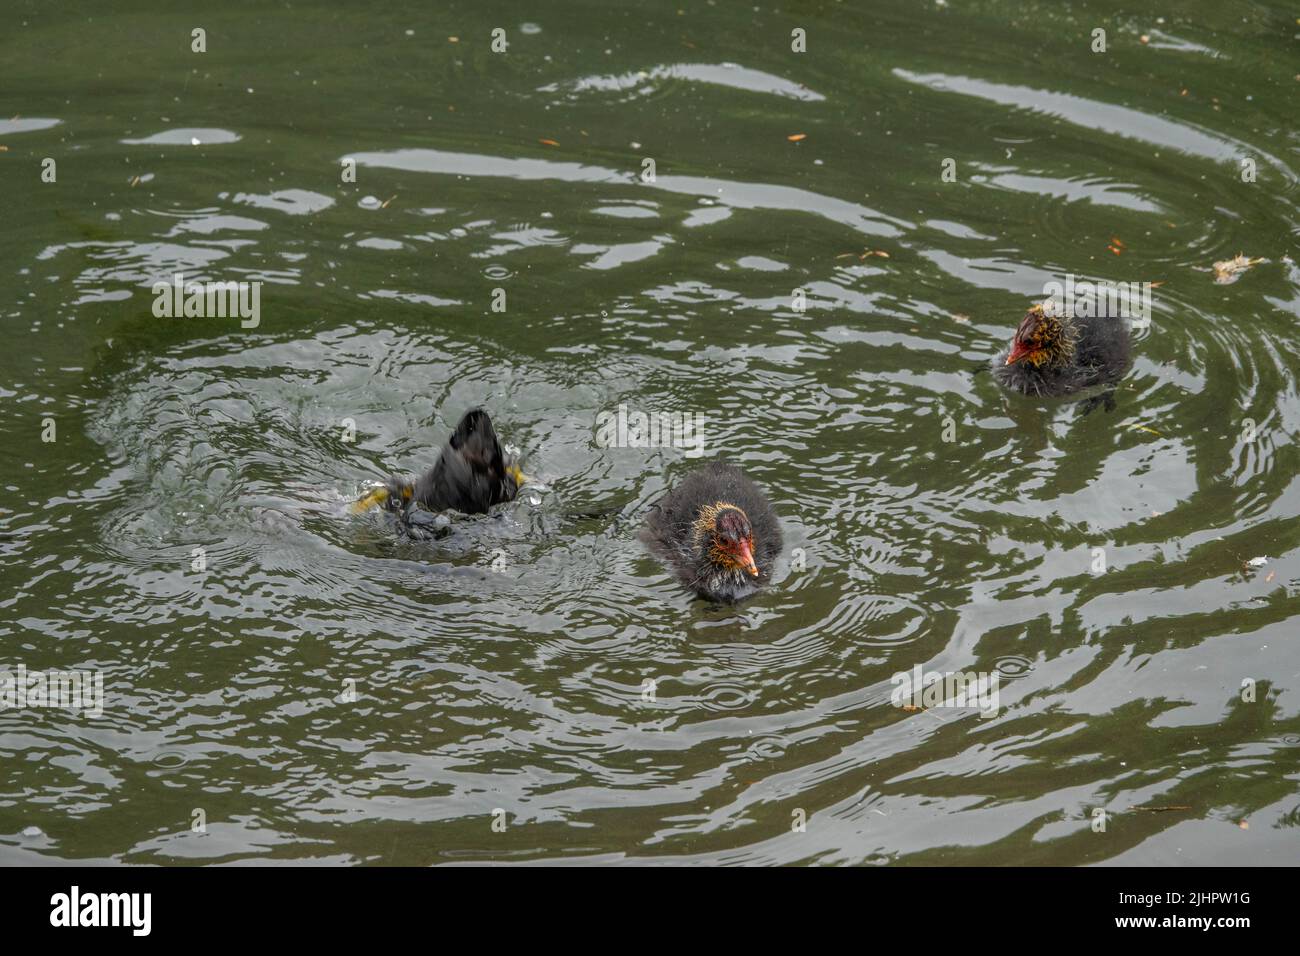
x=471 y=475
x=477 y=442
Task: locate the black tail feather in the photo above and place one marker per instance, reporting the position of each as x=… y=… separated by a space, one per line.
x=472 y=474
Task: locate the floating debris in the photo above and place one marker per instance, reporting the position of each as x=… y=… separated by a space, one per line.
x=1229 y=271
x=1144 y=428
x=864 y=254
x=548 y=142
x=795 y=137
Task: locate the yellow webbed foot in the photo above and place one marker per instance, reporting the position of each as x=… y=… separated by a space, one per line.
x=374 y=499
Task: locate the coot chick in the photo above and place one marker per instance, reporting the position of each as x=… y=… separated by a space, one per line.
x=1054 y=355
x=470 y=476
x=717 y=532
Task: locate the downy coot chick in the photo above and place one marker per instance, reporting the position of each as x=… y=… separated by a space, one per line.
x=1053 y=355
x=470 y=476
x=717 y=532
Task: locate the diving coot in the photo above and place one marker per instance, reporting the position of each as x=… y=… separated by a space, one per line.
x=471 y=475
x=1054 y=355
x=717 y=532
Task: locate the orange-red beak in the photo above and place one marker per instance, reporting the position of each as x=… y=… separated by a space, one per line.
x=746 y=556
x=1018 y=351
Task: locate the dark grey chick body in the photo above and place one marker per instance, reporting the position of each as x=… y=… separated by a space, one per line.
x=717 y=532
x=1055 y=356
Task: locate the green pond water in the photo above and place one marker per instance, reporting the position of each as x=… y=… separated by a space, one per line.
x=534 y=686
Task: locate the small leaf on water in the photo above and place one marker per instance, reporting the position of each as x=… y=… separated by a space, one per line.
x=795 y=137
